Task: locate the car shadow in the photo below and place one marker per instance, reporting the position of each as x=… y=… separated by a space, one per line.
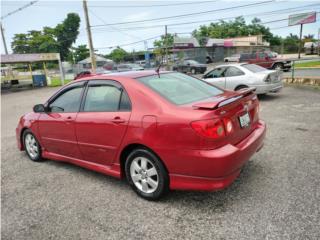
x=269 y=97
x=218 y=201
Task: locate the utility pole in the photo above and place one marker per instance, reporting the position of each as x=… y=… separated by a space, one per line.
x=166 y=43
x=92 y=56
x=319 y=42
x=300 y=41
x=4 y=40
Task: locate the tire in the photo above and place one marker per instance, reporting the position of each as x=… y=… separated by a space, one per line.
x=226 y=60
x=240 y=87
x=193 y=71
x=32 y=146
x=146 y=174
x=278 y=66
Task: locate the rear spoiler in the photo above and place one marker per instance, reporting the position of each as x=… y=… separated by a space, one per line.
x=224 y=101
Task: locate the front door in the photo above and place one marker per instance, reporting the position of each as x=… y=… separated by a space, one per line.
x=216 y=77
x=57 y=125
x=102 y=121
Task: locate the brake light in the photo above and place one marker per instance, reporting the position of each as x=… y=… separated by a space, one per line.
x=228 y=125
x=212 y=128
x=256 y=113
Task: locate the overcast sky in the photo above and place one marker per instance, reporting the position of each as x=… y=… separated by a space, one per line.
x=50 y=13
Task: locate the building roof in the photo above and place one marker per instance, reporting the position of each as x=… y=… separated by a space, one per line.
x=98 y=59
x=185 y=42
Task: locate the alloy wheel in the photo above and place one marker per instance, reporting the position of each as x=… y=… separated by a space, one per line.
x=144 y=174
x=31 y=145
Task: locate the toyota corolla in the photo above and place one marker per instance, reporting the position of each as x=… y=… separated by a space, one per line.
x=160 y=131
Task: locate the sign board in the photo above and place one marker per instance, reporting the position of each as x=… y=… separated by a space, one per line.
x=28 y=58
x=302 y=18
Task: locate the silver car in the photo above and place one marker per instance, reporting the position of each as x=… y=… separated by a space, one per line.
x=243 y=75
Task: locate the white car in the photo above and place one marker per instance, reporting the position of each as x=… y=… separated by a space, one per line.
x=232 y=58
x=243 y=75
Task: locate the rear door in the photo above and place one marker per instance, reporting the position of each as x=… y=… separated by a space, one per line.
x=102 y=121
x=234 y=78
x=216 y=77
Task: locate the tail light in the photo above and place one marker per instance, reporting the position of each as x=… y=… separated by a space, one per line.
x=213 y=128
x=256 y=113
x=268 y=79
x=228 y=125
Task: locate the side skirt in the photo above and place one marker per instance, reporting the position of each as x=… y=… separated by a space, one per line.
x=113 y=170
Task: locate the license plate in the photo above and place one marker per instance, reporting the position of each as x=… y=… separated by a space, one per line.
x=244 y=120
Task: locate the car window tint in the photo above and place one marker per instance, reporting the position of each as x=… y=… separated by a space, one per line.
x=102 y=98
x=180 y=88
x=216 y=73
x=68 y=101
x=233 y=72
x=262 y=55
x=125 y=104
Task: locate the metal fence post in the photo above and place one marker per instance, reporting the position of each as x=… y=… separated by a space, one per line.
x=292 y=73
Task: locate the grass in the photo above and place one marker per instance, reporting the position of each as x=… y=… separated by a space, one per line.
x=55 y=82
x=310 y=64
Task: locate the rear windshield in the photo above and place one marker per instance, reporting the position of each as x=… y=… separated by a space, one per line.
x=254 y=68
x=179 y=88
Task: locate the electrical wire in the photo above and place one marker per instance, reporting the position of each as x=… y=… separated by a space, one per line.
x=153 y=5
x=19 y=9
x=185 y=15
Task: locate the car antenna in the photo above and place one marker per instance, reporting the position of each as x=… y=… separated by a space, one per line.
x=158 y=70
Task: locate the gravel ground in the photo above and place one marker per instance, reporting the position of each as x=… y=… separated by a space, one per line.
x=277 y=196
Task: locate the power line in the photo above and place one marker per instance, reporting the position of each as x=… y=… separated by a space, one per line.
x=216 y=20
x=153 y=5
x=127 y=44
x=114 y=28
x=19 y=9
x=185 y=15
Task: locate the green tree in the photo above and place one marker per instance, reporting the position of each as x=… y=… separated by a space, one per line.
x=66 y=33
x=58 y=39
x=161 y=44
x=234 y=28
x=78 y=53
x=291 y=43
x=117 y=54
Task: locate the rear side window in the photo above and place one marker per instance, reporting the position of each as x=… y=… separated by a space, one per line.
x=254 y=68
x=233 y=72
x=180 y=88
x=106 y=98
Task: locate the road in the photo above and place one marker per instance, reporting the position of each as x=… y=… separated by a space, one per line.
x=308 y=72
x=277 y=195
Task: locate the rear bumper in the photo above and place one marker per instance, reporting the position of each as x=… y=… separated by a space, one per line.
x=216 y=169
x=271 y=87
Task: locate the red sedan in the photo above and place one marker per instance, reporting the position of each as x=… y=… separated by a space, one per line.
x=160 y=131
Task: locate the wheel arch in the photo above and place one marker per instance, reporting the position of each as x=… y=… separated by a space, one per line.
x=240 y=86
x=128 y=149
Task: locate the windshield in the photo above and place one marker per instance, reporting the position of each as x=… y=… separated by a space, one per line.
x=254 y=68
x=179 y=88
x=192 y=62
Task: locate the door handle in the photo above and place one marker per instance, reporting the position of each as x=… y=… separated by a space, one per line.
x=118 y=120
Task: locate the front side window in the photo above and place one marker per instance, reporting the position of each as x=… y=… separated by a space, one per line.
x=179 y=88
x=233 y=72
x=69 y=101
x=216 y=73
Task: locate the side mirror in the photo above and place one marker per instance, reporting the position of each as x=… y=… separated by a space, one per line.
x=188 y=64
x=39 y=108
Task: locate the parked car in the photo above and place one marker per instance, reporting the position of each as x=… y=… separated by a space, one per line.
x=266 y=60
x=243 y=75
x=190 y=66
x=88 y=73
x=129 y=67
x=161 y=131
x=232 y=58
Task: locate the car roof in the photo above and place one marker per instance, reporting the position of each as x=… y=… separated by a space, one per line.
x=231 y=65
x=127 y=74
